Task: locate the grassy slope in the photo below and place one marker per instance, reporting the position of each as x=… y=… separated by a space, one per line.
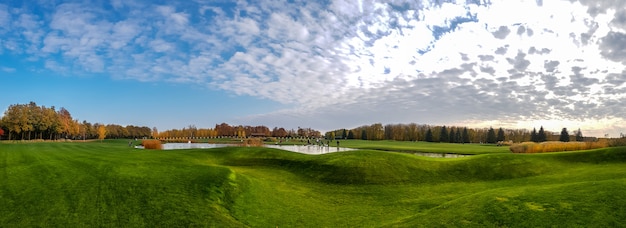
x=109 y=184
x=94 y=184
x=407 y=146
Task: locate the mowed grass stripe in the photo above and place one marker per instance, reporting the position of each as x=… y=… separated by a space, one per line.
x=92 y=185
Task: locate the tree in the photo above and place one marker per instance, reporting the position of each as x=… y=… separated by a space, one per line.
x=541 y=136
x=500 y=137
x=155 y=132
x=564 y=135
x=102 y=132
x=412 y=133
x=363 y=134
x=465 y=136
x=579 y=136
x=330 y=135
x=350 y=134
x=429 y=135
x=491 y=135
x=443 y=135
x=533 y=135
x=1 y=131
x=452 y=136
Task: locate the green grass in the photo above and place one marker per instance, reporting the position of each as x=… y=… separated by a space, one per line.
x=109 y=184
x=428 y=147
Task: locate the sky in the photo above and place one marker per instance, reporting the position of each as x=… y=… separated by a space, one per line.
x=320 y=64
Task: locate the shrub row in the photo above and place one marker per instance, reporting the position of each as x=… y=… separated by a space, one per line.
x=617 y=142
x=555 y=146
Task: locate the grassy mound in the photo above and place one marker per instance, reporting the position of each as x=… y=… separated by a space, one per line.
x=110 y=184
x=374 y=167
x=104 y=184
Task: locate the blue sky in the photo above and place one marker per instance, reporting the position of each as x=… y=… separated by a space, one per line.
x=325 y=65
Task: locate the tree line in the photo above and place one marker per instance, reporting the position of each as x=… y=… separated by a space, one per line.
x=241 y=131
x=451 y=134
x=31 y=121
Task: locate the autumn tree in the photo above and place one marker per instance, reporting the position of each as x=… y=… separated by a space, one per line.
x=375 y=132
x=412 y=132
x=281 y=132
x=155 y=132
x=564 y=135
x=224 y=129
x=102 y=131
x=240 y=132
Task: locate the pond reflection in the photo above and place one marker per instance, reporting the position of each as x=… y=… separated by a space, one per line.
x=310 y=149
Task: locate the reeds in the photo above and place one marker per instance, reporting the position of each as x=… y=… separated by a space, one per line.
x=555 y=146
x=152 y=144
x=252 y=142
x=617 y=142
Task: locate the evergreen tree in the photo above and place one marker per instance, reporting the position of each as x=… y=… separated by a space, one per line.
x=491 y=135
x=579 y=136
x=452 y=136
x=344 y=134
x=458 y=137
x=500 y=137
x=541 y=136
x=564 y=135
x=429 y=136
x=466 y=138
x=350 y=134
x=533 y=135
x=443 y=136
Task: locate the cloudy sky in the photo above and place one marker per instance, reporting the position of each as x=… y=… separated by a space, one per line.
x=320 y=64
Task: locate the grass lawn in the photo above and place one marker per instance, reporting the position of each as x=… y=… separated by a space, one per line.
x=429 y=147
x=109 y=184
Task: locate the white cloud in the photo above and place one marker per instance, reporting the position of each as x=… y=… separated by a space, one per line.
x=7 y=69
x=5 y=17
x=402 y=61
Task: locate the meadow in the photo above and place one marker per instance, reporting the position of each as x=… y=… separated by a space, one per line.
x=108 y=184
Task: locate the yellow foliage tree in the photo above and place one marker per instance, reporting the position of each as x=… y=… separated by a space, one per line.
x=102 y=132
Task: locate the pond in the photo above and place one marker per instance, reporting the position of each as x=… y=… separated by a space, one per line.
x=305 y=149
x=179 y=146
x=310 y=149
